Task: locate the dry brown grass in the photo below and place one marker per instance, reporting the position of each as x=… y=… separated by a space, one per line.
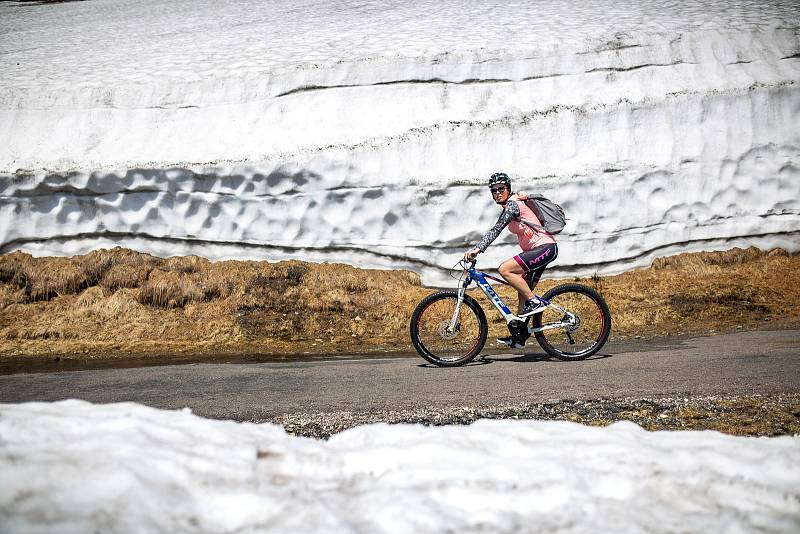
x=716 y=290
x=119 y=301
x=42 y=280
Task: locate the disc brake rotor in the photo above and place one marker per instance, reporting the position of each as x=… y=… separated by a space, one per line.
x=445 y=332
x=574 y=322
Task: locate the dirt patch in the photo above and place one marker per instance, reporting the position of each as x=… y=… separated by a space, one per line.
x=753 y=415
x=123 y=304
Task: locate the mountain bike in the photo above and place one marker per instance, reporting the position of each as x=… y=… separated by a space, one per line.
x=449 y=328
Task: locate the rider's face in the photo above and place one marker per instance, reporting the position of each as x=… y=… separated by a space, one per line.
x=499 y=193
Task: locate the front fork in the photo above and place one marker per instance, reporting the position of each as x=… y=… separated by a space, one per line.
x=454 y=320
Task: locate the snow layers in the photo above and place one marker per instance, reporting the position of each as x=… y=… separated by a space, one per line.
x=72 y=466
x=656 y=140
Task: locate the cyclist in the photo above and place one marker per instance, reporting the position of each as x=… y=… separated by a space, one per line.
x=524 y=270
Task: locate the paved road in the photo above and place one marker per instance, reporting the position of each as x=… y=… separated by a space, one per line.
x=741 y=363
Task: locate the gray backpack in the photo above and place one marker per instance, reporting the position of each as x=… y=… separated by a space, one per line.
x=549 y=213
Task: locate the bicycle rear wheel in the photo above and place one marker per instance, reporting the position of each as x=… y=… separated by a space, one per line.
x=587 y=322
x=436 y=342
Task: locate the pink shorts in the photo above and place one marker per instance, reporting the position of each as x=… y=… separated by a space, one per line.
x=534 y=261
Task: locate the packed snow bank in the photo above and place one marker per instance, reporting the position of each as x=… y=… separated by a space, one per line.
x=75 y=467
x=364 y=132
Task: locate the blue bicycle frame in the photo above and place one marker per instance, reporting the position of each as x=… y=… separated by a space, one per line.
x=569 y=319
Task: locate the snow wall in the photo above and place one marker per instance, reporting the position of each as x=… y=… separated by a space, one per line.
x=364 y=132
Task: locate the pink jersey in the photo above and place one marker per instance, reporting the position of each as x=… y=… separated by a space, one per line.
x=529 y=238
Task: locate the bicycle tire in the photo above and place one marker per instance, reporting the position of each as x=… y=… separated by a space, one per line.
x=443 y=348
x=590 y=307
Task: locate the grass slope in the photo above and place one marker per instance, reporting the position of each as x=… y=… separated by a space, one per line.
x=115 y=303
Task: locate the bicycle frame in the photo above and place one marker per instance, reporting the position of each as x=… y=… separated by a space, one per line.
x=479 y=277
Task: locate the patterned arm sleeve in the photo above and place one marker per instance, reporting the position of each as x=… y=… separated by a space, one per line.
x=510 y=213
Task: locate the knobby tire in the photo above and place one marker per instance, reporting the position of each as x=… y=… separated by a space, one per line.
x=442 y=348
x=593 y=332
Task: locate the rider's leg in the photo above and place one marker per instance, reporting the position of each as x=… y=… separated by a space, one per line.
x=522 y=300
x=518 y=329
x=534 y=277
x=535 y=261
x=512 y=272
x=523 y=335
x=531 y=263
x=523 y=272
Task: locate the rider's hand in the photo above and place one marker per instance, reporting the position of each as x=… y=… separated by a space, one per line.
x=471 y=254
x=522 y=195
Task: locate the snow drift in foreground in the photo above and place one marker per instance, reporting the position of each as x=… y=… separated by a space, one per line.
x=364 y=131
x=76 y=467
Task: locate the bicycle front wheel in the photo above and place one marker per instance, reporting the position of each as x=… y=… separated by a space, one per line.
x=581 y=331
x=436 y=341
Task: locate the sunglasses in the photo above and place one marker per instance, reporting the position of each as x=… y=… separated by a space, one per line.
x=496 y=190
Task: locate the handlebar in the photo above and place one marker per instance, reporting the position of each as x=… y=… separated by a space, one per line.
x=466 y=265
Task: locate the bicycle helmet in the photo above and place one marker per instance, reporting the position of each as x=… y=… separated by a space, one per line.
x=500 y=178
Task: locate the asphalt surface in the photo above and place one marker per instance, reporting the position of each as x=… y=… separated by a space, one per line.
x=761 y=362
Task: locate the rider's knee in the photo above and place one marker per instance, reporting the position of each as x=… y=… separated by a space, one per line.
x=504 y=269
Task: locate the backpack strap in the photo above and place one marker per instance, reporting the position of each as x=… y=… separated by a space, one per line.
x=532 y=225
x=530 y=202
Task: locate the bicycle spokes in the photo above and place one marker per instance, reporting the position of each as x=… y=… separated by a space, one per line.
x=449 y=328
x=446 y=333
x=576 y=332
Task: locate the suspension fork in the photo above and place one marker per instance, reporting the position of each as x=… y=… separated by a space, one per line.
x=459 y=302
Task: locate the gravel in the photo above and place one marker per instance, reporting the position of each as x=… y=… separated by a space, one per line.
x=752 y=415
